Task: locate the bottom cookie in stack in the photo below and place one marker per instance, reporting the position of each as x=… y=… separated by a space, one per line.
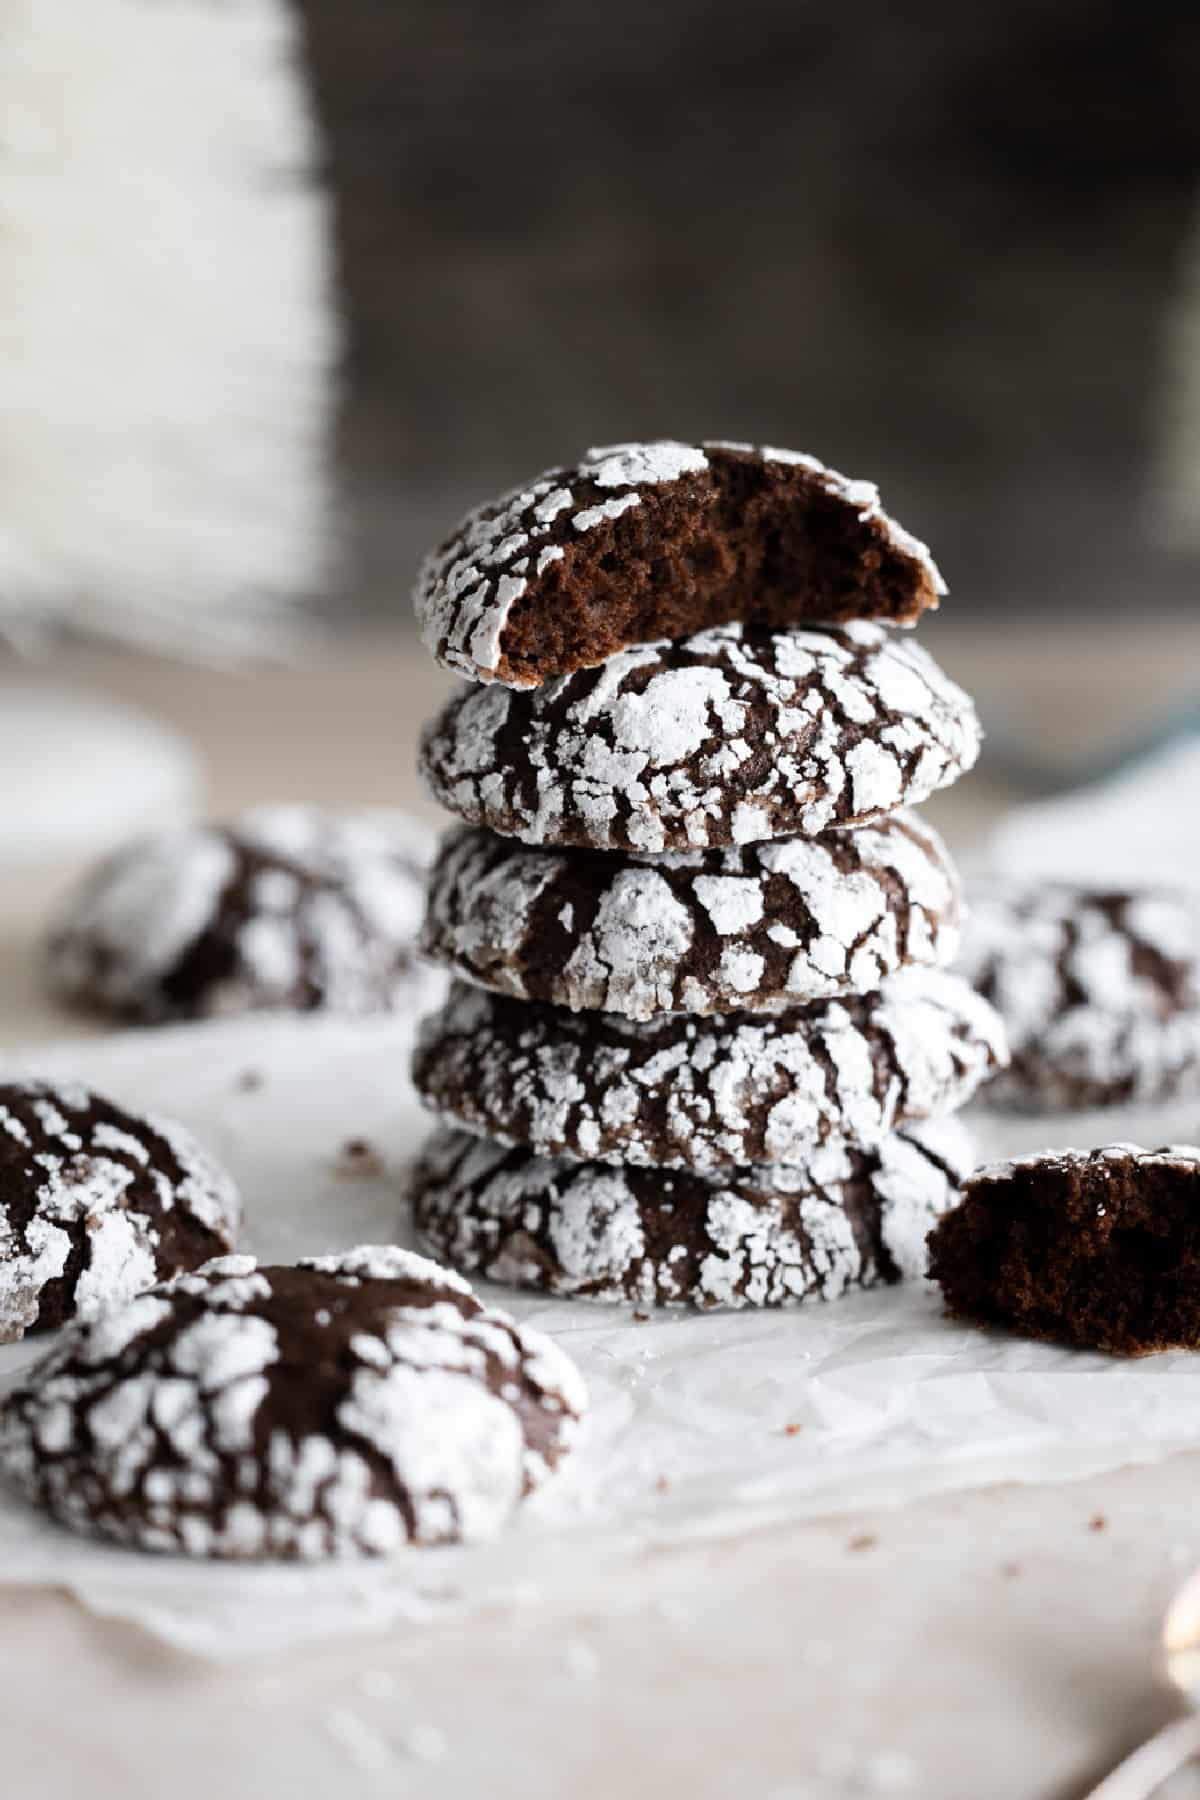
x=752 y=1236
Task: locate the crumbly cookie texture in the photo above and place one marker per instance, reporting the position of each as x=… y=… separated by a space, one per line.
x=683 y=1092
x=843 y=1219
x=1100 y=992
x=287 y=907
x=97 y=1204
x=1099 y=1249
x=659 y=540
x=728 y=737
x=752 y=928
x=342 y=1407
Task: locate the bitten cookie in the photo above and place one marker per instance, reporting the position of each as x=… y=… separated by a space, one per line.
x=1100 y=992
x=97 y=1204
x=339 y=1408
x=659 y=540
x=752 y=928
x=681 y=1092
x=726 y=738
x=1096 y=1248
x=287 y=907
x=755 y=1237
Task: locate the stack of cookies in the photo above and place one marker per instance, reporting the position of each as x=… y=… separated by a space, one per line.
x=702 y=1046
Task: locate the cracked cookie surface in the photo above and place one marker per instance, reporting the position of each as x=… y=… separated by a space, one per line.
x=728 y=737
x=842 y=1219
x=97 y=1204
x=341 y=1407
x=660 y=540
x=1099 y=991
x=287 y=907
x=707 y=1093
x=752 y=928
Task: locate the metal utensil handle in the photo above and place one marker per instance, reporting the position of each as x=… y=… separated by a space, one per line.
x=1142 y=1774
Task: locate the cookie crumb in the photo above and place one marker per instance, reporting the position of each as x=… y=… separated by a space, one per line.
x=642 y=1318
x=792 y=1430
x=1098 y=1522
x=358 y=1157
x=864 y=1540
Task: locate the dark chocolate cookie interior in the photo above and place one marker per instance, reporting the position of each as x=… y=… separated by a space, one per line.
x=765 y=542
x=1100 y=1252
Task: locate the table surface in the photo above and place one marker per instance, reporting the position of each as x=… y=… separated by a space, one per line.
x=999 y=1643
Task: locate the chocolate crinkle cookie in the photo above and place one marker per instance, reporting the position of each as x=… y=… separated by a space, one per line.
x=342 y=1407
x=287 y=907
x=728 y=737
x=1099 y=990
x=842 y=1219
x=706 y=1093
x=754 y=928
x=97 y=1204
x=1095 y=1248
x=660 y=540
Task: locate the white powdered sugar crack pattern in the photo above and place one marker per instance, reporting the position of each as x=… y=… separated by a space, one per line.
x=444 y=1413
x=704 y=1093
x=286 y=907
x=467 y=589
x=753 y=928
x=87 y=1188
x=1100 y=991
x=723 y=738
x=752 y=1237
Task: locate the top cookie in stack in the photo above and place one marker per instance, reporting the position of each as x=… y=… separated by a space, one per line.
x=693 y=707
x=640 y=542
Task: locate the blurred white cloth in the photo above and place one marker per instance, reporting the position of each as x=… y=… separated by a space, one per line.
x=166 y=324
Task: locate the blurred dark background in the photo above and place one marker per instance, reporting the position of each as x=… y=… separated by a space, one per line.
x=944 y=246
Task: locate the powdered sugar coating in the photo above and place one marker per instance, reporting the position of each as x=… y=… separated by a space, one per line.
x=286 y=907
x=728 y=737
x=339 y=1408
x=498 y=556
x=750 y=928
x=682 y=1092
x=97 y=1204
x=1100 y=992
x=754 y=1237
x=1120 y=1158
